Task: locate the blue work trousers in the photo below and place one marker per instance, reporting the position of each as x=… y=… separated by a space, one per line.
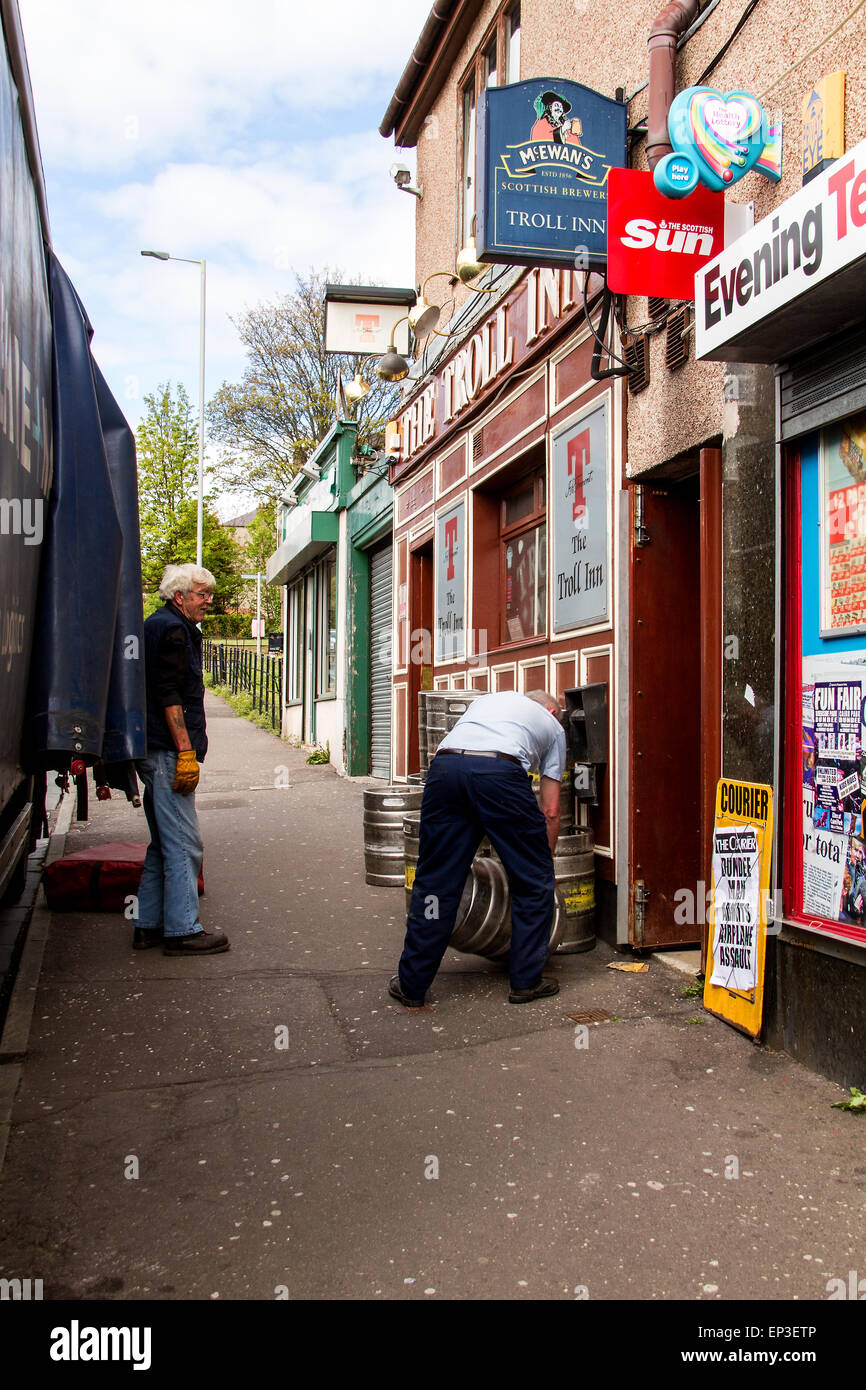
x=465 y=798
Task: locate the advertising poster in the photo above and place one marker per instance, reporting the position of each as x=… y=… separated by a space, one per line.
x=834 y=788
x=736 y=907
x=742 y=850
x=451 y=584
x=579 y=506
x=844 y=529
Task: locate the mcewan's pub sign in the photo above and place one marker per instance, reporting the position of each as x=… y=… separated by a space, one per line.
x=545 y=149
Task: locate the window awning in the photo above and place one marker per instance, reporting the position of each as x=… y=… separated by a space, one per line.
x=308 y=534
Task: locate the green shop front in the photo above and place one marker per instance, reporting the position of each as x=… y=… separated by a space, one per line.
x=334 y=565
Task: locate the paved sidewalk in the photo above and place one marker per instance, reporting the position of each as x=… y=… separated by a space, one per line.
x=464 y=1151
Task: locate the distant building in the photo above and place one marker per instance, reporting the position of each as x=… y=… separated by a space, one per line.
x=240 y=525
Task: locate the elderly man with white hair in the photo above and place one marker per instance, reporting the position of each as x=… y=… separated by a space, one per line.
x=478 y=785
x=176 y=744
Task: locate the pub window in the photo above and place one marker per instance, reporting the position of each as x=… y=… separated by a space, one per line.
x=512 y=44
x=326 y=629
x=468 y=181
x=497 y=57
x=491 y=66
x=523 y=560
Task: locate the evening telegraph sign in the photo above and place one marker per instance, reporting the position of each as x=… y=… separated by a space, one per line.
x=795 y=257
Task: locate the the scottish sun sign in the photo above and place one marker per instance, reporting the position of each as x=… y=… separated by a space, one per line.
x=545 y=149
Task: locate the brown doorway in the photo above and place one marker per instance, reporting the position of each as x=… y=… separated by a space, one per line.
x=675 y=656
x=420 y=640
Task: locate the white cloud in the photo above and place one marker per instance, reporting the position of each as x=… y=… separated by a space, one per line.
x=245 y=134
x=327 y=206
x=120 y=83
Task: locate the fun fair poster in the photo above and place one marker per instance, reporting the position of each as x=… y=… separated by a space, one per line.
x=834 y=789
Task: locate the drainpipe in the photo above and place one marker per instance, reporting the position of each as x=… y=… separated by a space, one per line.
x=672 y=21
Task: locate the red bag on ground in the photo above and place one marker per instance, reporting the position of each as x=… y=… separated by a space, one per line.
x=99 y=879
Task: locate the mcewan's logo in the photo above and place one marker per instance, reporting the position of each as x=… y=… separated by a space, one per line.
x=556 y=139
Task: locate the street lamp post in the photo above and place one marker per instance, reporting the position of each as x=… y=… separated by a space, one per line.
x=199 y=523
x=258 y=578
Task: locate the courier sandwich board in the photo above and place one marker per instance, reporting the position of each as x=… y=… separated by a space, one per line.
x=742 y=849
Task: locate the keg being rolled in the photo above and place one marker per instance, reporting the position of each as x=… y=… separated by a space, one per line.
x=477 y=785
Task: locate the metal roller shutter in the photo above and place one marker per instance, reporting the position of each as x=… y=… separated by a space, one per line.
x=824 y=384
x=380 y=669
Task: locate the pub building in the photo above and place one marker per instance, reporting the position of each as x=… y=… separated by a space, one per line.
x=507 y=493
x=705 y=603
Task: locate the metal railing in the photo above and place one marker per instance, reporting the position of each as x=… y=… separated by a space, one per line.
x=244 y=673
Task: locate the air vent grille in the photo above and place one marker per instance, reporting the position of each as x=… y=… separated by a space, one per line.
x=636 y=355
x=677 y=338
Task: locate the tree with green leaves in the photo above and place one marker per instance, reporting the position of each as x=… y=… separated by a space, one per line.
x=221 y=553
x=287 y=398
x=167 y=449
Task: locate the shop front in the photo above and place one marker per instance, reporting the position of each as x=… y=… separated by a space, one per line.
x=790 y=293
x=507 y=499
x=334 y=566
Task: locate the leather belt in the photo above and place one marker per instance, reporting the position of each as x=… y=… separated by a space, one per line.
x=479 y=753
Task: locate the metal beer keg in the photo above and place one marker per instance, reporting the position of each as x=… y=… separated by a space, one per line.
x=483 y=923
x=574 y=867
x=384 y=809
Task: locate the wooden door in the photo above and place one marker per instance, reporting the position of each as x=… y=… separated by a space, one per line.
x=666 y=801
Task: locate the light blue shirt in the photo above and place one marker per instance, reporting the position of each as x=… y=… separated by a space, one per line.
x=505 y=722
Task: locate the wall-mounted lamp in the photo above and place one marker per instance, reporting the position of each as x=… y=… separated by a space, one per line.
x=424 y=315
x=355 y=390
x=402 y=176
x=392 y=366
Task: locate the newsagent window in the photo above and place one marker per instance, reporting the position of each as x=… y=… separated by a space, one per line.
x=826 y=877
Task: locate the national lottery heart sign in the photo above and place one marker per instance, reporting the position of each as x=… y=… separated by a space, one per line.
x=716 y=137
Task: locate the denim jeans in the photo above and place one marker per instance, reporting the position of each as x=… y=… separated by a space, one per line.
x=168 y=894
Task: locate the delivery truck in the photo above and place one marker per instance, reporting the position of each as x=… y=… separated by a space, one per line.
x=71 y=667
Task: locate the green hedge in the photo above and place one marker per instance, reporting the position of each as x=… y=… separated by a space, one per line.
x=226 y=625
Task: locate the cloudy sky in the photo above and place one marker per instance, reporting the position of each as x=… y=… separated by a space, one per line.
x=244 y=134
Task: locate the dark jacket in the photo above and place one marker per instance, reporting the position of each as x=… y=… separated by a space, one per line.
x=173 y=676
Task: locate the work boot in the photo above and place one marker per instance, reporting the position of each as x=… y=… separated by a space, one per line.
x=545 y=987
x=202 y=943
x=395 y=989
x=145 y=937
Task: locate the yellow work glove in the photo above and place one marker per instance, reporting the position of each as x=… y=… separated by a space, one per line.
x=186 y=776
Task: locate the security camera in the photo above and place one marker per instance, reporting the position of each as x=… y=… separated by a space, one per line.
x=402 y=176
